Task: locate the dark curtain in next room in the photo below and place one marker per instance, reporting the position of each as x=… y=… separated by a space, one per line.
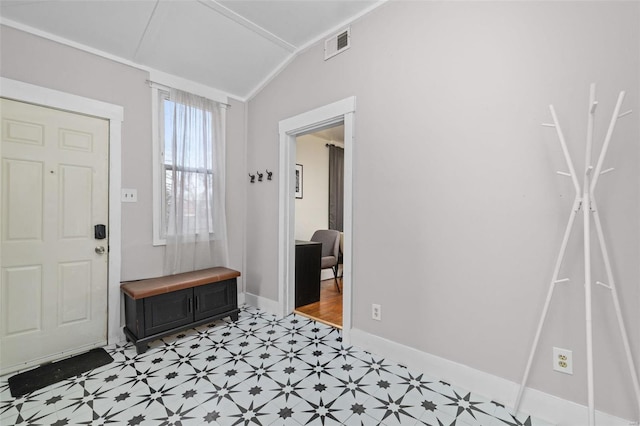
x=336 y=187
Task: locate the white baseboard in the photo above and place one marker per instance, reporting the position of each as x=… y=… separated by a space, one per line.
x=541 y=405
x=267 y=305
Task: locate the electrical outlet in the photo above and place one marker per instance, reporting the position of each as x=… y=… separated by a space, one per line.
x=376 y=312
x=129 y=195
x=563 y=360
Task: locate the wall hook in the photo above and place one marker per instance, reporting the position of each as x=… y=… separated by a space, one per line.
x=269 y=174
x=260 y=176
x=252 y=178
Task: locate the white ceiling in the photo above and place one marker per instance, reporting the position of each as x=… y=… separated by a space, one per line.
x=332 y=134
x=232 y=45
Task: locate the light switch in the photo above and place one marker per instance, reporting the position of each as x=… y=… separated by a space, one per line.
x=129 y=195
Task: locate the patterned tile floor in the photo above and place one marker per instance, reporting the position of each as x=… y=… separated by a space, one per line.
x=257 y=371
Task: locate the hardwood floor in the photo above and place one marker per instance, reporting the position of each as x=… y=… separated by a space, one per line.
x=329 y=309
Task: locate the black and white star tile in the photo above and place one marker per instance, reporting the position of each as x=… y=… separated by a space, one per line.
x=257 y=371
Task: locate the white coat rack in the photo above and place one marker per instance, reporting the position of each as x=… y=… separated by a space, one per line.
x=585 y=201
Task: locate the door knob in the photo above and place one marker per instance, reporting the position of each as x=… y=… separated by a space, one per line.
x=100 y=250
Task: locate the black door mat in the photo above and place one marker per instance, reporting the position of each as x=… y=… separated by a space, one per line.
x=48 y=374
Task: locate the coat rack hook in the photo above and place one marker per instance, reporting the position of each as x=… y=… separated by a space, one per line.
x=269 y=174
x=624 y=114
x=252 y=178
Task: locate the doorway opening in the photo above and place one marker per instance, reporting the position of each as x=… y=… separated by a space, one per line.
x=319 y=207
x=328 y=116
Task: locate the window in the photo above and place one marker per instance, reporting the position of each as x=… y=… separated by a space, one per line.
x=184 y=166
x=193 y=170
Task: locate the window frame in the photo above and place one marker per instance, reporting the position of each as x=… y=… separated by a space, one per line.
x=160 y=178
x=160 y=87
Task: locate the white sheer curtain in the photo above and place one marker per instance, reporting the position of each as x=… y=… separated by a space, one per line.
x=194 y=162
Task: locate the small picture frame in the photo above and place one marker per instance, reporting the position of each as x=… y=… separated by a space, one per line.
x=299 y=181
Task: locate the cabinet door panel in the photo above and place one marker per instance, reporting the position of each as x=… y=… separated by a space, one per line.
x=167 y=311
x=216 y=298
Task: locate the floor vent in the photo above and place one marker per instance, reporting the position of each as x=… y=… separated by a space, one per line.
x=337 y=44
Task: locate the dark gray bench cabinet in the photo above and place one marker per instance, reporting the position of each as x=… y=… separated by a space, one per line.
x=158 y=307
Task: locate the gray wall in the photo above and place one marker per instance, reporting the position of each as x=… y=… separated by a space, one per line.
x=35 y=60
x=454 y=179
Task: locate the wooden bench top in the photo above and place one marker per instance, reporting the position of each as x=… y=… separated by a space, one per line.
x=154 y=286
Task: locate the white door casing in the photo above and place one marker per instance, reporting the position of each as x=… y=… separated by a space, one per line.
x=53 y=282
x=342 y=111
x=38 y=95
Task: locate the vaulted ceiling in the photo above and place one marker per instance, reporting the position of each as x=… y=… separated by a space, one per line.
x=232 y=45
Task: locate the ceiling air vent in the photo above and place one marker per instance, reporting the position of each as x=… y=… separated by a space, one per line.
x=338 y=43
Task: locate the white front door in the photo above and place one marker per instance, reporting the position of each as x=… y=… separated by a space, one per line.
x=54 y=190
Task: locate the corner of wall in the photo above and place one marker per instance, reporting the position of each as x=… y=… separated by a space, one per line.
x=269 y=306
